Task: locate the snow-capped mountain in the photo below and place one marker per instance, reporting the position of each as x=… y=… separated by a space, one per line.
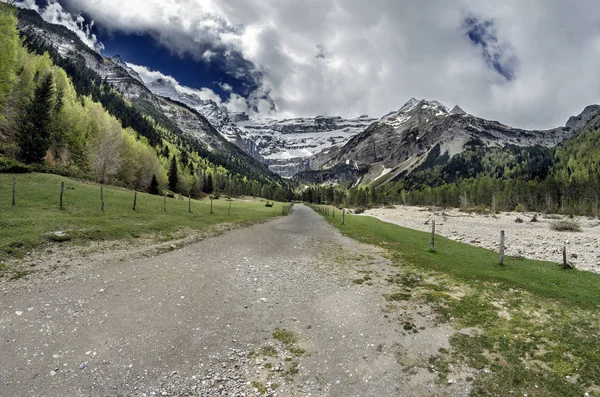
x=423 y=132
x=286 y=146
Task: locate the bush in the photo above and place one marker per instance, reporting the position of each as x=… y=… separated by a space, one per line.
x=551 y=216
x=520 y=208
x=359 y=210
x=534 y=218
x=12 y=166
x=565 y=226
x=480 y=210
x=69 y=172
x=268 y=204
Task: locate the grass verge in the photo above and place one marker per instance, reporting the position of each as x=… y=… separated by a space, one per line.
x=536 y=327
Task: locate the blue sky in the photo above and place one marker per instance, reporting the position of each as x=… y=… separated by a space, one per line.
x=527 y=64
x=144 y=50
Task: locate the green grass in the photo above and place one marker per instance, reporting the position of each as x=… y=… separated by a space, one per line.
x=284 y=336
x=536 y=327
x=467 y=262
x=36 y=216
x=262 y=389
x=268 y=351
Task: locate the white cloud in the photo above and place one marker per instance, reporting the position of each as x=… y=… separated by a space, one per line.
x=237 y=103
x=207 y=55
x=226 y=87
x=28 y=4
x=351 y=57
x=54 y=13
x=168 y=86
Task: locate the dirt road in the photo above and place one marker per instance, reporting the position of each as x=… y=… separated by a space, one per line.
x=201 y=320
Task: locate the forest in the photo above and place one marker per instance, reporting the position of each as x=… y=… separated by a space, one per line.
x=58 y=116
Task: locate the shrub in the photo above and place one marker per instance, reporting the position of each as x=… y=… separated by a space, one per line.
x=551 y=216
x=359 y=210
x=268 y=204
x=70 y=172
x=565 y=226
x=480 y=210
x=534 y=218
x=8 y=165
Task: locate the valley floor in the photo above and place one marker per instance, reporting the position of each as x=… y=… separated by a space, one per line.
x=287 y=308
x=532 y=240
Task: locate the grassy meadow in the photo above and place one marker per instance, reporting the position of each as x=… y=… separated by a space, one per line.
x=536 y=326
x=37 y=216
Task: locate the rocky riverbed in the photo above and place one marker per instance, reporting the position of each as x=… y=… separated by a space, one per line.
x=527 y=234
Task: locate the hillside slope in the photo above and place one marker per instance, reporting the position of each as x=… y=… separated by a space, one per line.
x=163 y=119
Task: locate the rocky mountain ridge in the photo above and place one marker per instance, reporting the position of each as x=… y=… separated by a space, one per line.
x=425 y=132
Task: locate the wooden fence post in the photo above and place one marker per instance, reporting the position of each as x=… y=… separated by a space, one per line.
x=134 y=199
x=62 y=192
x=229 y=210
x=432 y=243
x=343 y=215
x=102 y=198
x=502 y=247
x=14 y=189
x=190 y=203
x=211 y=199
x=165 y=203
x=333 y=212
x=565 y=264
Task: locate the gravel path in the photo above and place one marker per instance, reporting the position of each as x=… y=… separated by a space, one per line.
x=534 y=240
x=199 y=321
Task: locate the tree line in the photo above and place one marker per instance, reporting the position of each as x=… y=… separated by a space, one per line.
x=563 y=179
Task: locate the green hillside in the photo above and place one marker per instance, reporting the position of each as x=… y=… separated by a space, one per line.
x=36 y=218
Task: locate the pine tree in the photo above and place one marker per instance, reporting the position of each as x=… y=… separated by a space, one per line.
x=173 y=176
x=153 y=188
x=35 y=134
x=208 y=184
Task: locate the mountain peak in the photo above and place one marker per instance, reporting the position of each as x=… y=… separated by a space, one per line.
x=414 y=103
x=457 y=110
x=410 y=104
x=436 y=104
